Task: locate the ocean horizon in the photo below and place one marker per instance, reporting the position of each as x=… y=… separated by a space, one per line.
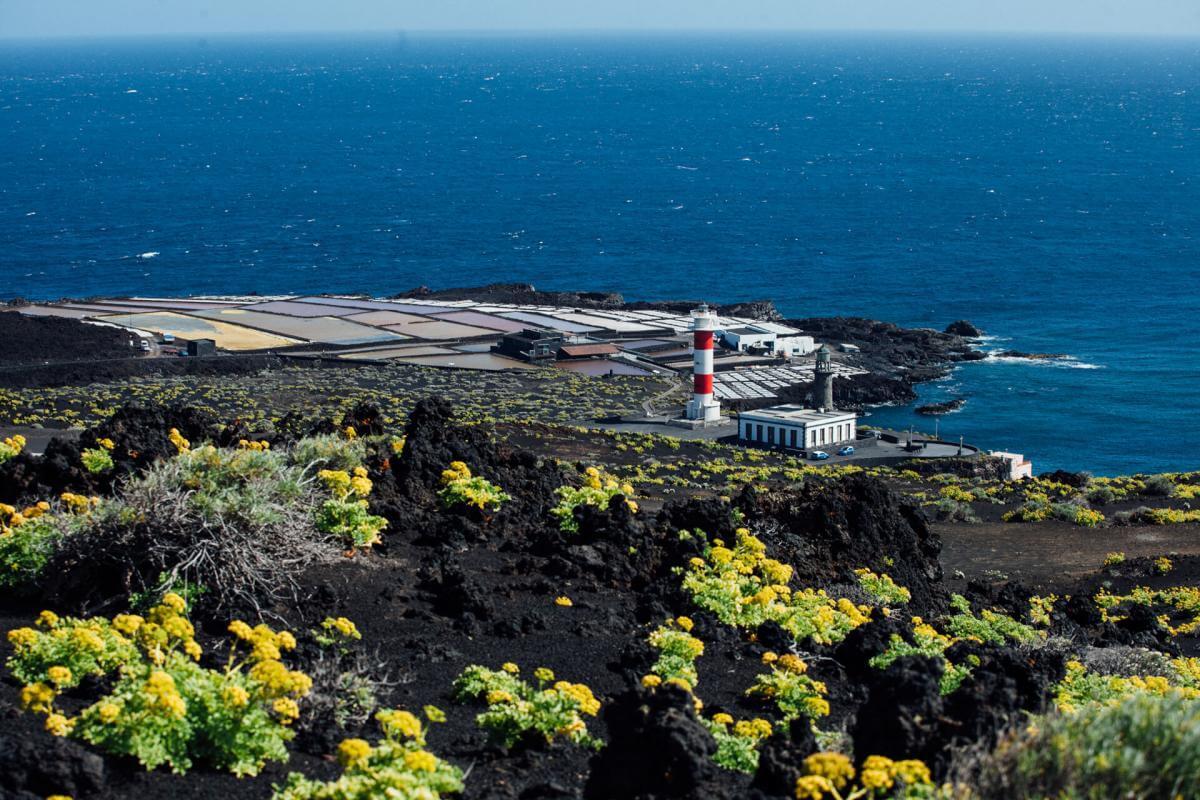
x=1044 y=188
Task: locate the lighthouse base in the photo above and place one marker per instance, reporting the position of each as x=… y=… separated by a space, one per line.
x=700 y=415
x=704 y=410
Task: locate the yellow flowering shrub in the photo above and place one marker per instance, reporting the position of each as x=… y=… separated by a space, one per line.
x=882 y=588
x=345 y=515
x=1080 y=687
x=677 y=651
x=182 y=445
x=516 y=710
x=1182 y=602
x=28 y=538
x=737 y=742
x=598 y=490
x=831 y=776
x=788 y=686
x=926 y=641
x=164 y=708
x=337 y=632
x=11 y=446
x=398 y=766
x=745 y=588
x=460 y=487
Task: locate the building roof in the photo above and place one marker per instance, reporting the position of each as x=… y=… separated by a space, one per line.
x=534 y=335
x=797 y=414
x=584 y=350
x=749 y=331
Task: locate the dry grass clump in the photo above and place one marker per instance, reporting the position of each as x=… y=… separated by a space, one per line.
x=237 y=524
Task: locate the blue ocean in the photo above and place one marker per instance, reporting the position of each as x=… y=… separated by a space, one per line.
x=1046 y=189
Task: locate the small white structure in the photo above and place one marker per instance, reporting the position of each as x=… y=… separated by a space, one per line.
x=797 y=427
x=763 y=336
x=702 y=406
x=1019 y=467
x=744 y=338
x=795 y=345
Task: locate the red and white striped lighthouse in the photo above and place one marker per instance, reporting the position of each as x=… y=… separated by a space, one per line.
x=702 y=405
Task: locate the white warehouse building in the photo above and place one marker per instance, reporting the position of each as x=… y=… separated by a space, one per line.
x=768 y=337
x=797 y=427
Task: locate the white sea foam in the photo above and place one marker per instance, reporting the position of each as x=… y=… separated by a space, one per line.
x=1063 y=362
x=683 y=167
x=131 y=91
x=149 y=254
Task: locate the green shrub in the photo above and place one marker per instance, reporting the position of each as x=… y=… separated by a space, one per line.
x=927 y=641
x=677 y=651
x=345 y=514
x=1144 y=746
x=163 y=707
x=598 y=491
x=96 y=460
x=1159 y=486
x=25 y=548
x=330 y=451
x=398 y=766
x=990 y=627
x=516 y=710
x=951 y=510
x=882 y=588
x=460 y=488
x=744 y=588
x=11 y=446
x=737 y=742
x=240 y=523
x=789 y=688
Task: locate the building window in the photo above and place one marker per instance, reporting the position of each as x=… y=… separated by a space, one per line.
x=822 y=436
x=759 y=433
x=792 y=437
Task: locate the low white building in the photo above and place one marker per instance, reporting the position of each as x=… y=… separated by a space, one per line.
x=797 y=427
x=763 y=336
x=795 y=345
x=1019 y=467
x=742 y=339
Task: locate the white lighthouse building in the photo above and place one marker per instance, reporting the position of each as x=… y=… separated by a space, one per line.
x=702 y=406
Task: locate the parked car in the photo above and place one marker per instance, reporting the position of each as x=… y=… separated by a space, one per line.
x=819 y=455
x=848 y=450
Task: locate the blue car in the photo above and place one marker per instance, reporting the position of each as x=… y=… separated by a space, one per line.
x=819 y=455
x=846 y=451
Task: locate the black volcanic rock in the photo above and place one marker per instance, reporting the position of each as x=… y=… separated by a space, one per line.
x=526 y=293
x=33 y=340
x=657 y=748
x=944 y=407
x=963 y=328
x=828 y=530
x=901 y=715
x=917 y=353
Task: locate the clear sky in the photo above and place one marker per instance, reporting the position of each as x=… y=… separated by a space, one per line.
x=20 y=18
